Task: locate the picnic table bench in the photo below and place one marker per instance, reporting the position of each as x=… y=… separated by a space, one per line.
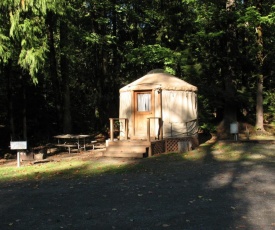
x=70 y=141
x=68 y=146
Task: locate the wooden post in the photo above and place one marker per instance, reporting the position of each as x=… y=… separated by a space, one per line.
x=161 y=128
x=111 y=129
x=148 y=129
x=150 y=151
x=18 y=159
x=161 y=121
x=126 y=129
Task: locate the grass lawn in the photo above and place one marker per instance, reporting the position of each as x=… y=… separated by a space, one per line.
x=63 y=168
x=72 y=167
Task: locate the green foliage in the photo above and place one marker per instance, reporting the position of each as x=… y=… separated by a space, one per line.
x=208 y=127
x=269 y=101
x=94 y=38
x=32 y=60
x=155 y=54
x=28 y=31
x=110 y=43
x=251 y=18
x=4 y=48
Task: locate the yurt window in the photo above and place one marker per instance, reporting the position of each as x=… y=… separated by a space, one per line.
x=144 y=102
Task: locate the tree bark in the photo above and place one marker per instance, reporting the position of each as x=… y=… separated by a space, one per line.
x=259 y=126
x=10 y=101
x=259 y=105
x=230 y=105
x=67 y=120
x=24 y=111
x=53 y=70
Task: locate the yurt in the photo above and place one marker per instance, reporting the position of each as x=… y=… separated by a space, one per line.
x=158 y=105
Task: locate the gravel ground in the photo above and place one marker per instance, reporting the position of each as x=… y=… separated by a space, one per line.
x=163 y=193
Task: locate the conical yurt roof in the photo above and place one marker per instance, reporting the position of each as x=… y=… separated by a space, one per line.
x=163 y=81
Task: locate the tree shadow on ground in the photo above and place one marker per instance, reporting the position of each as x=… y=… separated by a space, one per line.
x=165 y=191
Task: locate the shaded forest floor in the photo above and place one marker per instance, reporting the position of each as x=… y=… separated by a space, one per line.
x=220 y=185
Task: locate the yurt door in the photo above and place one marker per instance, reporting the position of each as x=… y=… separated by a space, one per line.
x=144 y=108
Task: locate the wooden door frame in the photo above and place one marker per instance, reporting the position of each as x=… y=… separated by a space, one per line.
x=134 y=108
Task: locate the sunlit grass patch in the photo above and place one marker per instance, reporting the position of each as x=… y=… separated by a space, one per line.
x=256 y=157
x=195 y=155
x=60 y=169
x=228 y=156
x=231 y=152
x=67 y=168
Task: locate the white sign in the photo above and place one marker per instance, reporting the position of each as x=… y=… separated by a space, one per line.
x=16 y=145
x=234 y=128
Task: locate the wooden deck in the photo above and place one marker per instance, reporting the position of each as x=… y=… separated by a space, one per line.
x=145 y=148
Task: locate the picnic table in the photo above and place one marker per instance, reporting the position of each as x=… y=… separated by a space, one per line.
x=72 y=141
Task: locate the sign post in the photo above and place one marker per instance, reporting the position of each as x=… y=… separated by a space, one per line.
x=18 y=145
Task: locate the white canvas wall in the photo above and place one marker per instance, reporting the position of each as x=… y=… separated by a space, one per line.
x=179 y=107
x=125 y=111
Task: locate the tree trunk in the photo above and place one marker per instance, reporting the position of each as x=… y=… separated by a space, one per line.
x=53 y=70
x=24 y=111
x=67 y=120
x=230 y=105
x=259 y=105
x=259 y=126
x=10 y=101
x=114 y=33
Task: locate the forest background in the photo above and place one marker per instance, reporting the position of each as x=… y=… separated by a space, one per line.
x=62 y=63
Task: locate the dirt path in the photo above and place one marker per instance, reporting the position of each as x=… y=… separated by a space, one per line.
x=160 y=193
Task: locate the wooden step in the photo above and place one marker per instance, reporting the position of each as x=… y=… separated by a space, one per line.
x=130 y=149
x=129 y=143
x=124 y=154
x=135 y=148
x=136 y=151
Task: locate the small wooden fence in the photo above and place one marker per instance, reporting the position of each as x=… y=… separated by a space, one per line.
x=171 y=145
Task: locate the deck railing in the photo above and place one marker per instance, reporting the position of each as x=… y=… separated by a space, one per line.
x=112 y=127
x=193 y=127
x=160 y=130
x=190 y=126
